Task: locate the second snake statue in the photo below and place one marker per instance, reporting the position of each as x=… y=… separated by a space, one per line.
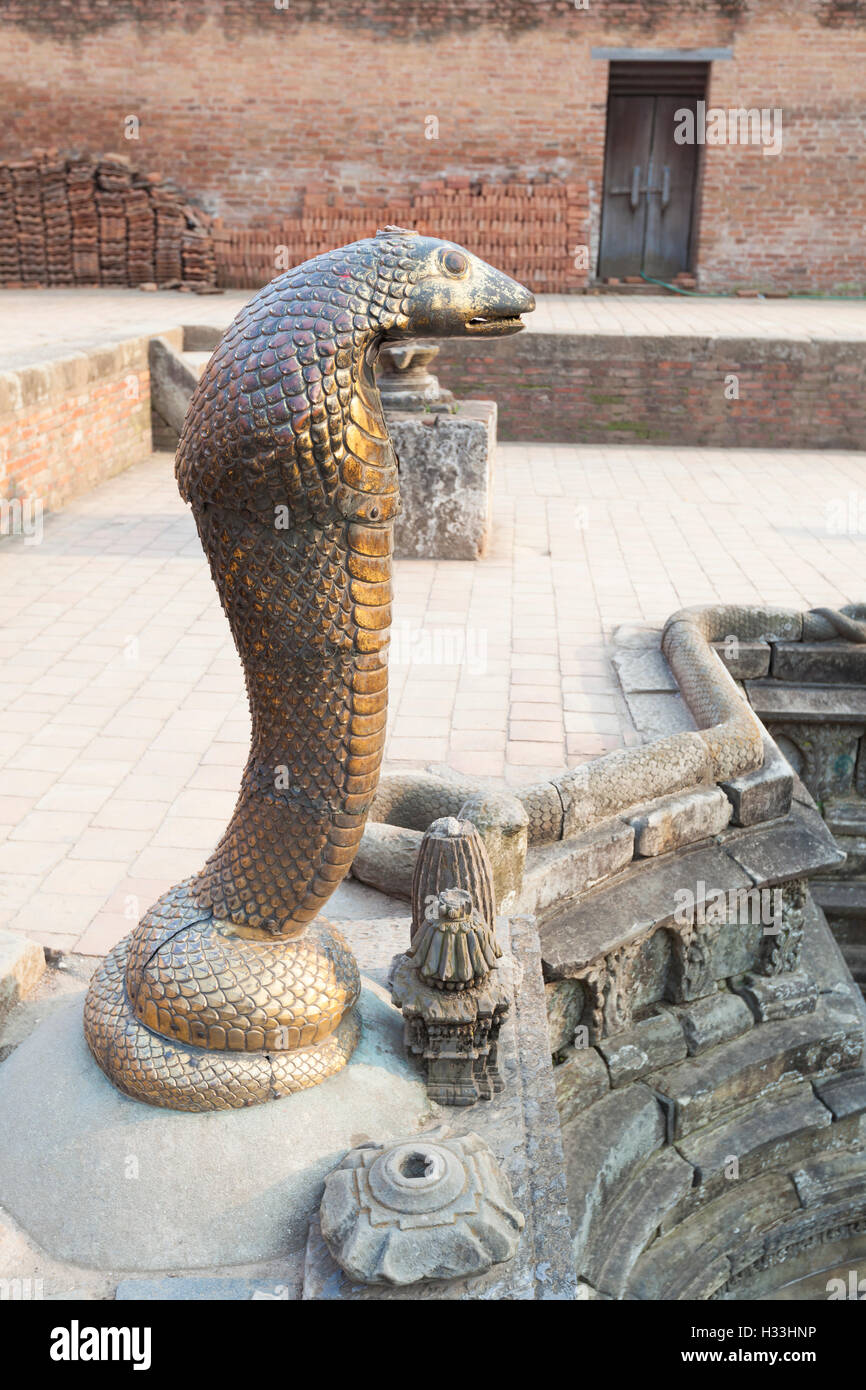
x=232 y=990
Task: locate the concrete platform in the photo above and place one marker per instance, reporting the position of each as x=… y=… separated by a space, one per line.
x=102 y=1181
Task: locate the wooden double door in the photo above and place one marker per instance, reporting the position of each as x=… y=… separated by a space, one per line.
x=650 y=186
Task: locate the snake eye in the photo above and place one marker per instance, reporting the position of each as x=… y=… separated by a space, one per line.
x=454 y=263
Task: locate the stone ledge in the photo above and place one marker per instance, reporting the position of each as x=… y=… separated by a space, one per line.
x=675 y=821
x=22 y=965
x=700 y=1090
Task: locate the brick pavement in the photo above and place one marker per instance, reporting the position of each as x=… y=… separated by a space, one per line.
x=56 y=322
x=125 y=726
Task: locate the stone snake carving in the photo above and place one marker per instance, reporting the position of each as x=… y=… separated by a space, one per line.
x=726 y=744
x=232 y=990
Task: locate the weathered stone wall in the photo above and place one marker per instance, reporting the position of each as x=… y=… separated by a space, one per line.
x=251 y=106
x=570 y=389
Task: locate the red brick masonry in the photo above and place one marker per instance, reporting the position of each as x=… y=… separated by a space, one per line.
x=67 y=425
x=566 y=388
x=249 y=107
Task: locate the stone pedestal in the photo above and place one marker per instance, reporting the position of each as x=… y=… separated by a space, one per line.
x=105 y=1182
x=446 y=480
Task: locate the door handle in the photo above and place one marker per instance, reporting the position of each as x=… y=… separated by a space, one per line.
x=666 y=186
x=634 y=197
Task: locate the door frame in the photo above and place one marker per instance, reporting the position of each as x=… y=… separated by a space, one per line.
x=656 y=58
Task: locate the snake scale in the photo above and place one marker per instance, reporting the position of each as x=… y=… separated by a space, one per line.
x=232 y=990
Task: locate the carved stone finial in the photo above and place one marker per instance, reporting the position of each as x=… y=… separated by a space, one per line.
x=455 y=949
x=435 y=1206
x=454 y=988
x=452 y=855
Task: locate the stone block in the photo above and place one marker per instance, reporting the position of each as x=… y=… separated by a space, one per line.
x=658 y=715
x=744 y=660
x=643 y=671
x=819 y=662
x=843 y=1095
x=708 y=1088
x=765 y=793
x=200 y=337
x=846 y=817
x=632 y=905
x=172 y=382
x=446 y=481
x=557 y=873
x=752 y=1135
x=565 y=1001
x=22 y=964
x=629 y=1223
x=580 y=1080
x=854 y=849
x=776 y=701
x=715 y=1019
x=386 y=858
x=679 y=820
x=603 y=1146
x=693 y=1260
x=650 y=1044
x=832 y=1177
x=794 y=848
x=777 y=996
x=840 y=899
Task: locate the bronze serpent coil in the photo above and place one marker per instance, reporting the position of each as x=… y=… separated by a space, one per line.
x=225 y=994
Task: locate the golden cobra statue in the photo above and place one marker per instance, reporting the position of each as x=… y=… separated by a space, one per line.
x=232 y=990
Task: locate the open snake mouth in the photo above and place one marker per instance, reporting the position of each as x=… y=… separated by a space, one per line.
x=493 y=325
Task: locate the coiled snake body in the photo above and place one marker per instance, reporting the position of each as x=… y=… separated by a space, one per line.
x=225 y=995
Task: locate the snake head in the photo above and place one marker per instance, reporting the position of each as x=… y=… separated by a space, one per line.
x=455 y=294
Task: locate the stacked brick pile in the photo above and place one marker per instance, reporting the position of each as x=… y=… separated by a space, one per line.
x=9 y=267
x=29 y=226
x=97 y=222
x=81 y=194
x=531 y=231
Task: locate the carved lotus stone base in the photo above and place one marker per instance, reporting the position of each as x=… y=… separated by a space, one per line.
x=436 y=1206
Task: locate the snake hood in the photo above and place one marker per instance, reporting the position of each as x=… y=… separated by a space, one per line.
x=276 y=417
x=292 y=478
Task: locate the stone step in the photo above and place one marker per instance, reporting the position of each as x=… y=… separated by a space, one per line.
x=840 y=899
x=778 y=700
x=754 y=1131
x=631 y=1219
x=846 y=817
x=693 y=1260
x=819 y=662
x=603 y=1146
x=710 y=1089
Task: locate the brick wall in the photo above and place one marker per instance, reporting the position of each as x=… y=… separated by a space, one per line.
x=528 y=230
x=565 y=388
x=68 y=424
x=250 y=108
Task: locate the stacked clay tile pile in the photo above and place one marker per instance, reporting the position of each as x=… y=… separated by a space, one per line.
x=9 y=268
x=529 y=230
x=80 y=221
